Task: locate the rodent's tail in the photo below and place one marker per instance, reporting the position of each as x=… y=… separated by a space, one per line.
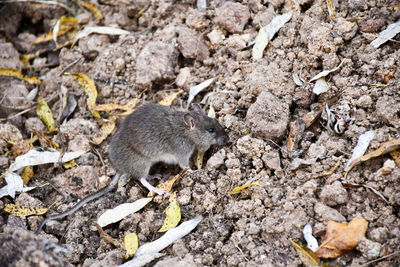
x=101 y=192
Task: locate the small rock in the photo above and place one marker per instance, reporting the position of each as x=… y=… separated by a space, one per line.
x=216 y=160
x=183 y=77
x=250 y=147
x=34 y=124
x=232 y=16
x=387 y=168
x=216 y=36
x=237 y=41
x=388 y=108
x=316 y=152
x=334 y=194
x=9 y=57
x=176 y=261
x=369 y=249
x=272 y=159
x=379 y=234
x=325 y=213
x=268 y=117
x=365 y=101
x=371 y=25
x=9 y=132
x=232 y=163
x=119 y=64
x=346 y=29
x=156 y=62
x=192 y=45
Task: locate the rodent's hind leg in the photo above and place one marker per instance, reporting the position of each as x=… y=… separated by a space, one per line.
x=151 y=188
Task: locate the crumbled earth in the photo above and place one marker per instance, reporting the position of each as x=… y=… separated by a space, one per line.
x=173 y=46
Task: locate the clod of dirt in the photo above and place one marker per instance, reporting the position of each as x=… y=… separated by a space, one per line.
x=192 y=45
x=371 y=25
x=216 y=160
x=325 y=213
x=20 y=247
x=81 y=181
x=268 y=117
x=369 y=249
x=334 y=194
x=345 y=29
x=232 y=16
x=388 y=108
x=156 y=62
x=9 y=132
x=9 y=57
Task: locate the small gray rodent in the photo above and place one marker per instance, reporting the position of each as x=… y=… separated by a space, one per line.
x=155 y=133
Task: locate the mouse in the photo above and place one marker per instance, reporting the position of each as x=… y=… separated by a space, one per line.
x=155 y=133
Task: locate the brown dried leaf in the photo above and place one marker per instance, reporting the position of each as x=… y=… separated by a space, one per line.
x=341 y=238
x=167 y=185
x=386 y=147
x=307 y=256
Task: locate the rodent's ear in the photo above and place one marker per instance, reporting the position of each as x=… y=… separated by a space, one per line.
x=190 y=121
x=197 y=108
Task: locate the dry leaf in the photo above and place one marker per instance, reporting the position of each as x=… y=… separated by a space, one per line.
x=391 y=31
x=167 y=185
x=321 y=86
x=312 y=242
x=240 y=188
x=168 y=100
x=21 y=147
x=121 y=211
x=331 y=9
x=331 y=170
x=198 y=159
x=296 y=130
x=90 y=89
x=27 y=174
x=326 y=72
x=46 y=115
x=95 y=11
x=173 y=213
x=131 y=244
x=396 y=156
x=273 y=27
x=262 y=40
x=193 y=91
x=307 y=256
x=168 y=238
x=24 y=211
x=362 y=145
x=100 y=30
x=66 y=24
x=341 y=238
x=354 y=185
x=386 y=147
x=19 y=75
x=106 y=129
x=129 y=107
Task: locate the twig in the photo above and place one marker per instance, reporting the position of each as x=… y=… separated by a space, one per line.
x=382 y=258
x=70 y=65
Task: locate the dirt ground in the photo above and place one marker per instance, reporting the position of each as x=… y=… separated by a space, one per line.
x=173 y=45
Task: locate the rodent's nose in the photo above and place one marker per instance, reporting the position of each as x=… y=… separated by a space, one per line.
x=222 y=140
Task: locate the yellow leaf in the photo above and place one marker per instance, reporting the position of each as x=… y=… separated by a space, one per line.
x=24 y=211
x=70 y=164
x=106 y=129
x=262 y=40
x=45 y=114
x=19 y=75
x=66 y=25
x=198 y=159
x=167 y=185
x=95 y=11
x=341 y=238
x=240 y=188
x=27 y=174
x=173 y=213
x=90 y=89
x=131 y=244
x=129 y=107
x=168 y=100
x=331 y=8
x=307 y=256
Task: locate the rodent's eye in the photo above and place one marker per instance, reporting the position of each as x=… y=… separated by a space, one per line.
x=211 y=130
